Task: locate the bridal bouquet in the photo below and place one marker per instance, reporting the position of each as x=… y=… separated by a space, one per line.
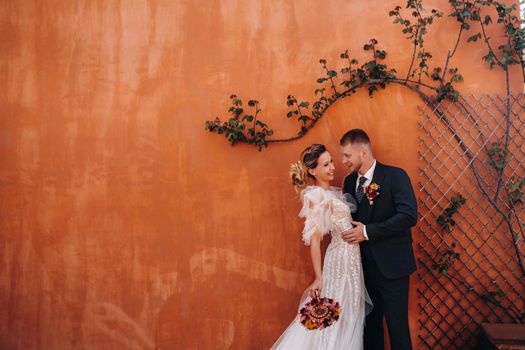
x=320 y=313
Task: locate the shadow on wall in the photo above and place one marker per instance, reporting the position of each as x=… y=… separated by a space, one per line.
x=108 y=323
x=223 y=303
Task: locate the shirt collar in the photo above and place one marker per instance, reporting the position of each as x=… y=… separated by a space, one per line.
x=370 y=173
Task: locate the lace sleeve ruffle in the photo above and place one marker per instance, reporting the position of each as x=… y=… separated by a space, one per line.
x=316 y=211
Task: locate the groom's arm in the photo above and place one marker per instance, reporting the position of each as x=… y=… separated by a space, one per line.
x=405 y=207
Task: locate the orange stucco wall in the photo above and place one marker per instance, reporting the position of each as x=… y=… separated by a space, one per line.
x=124 y=225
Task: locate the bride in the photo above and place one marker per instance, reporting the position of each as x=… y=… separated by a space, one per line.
x=327 y=211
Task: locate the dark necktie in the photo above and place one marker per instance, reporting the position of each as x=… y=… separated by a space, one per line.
x=360 y=192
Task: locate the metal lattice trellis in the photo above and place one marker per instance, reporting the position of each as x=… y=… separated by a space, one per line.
x=459 y=146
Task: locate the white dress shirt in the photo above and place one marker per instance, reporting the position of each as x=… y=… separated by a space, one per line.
x=369 y=175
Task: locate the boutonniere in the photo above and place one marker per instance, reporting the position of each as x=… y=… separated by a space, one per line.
x=372 y=192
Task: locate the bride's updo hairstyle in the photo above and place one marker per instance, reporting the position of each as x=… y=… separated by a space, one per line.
x=299 y=170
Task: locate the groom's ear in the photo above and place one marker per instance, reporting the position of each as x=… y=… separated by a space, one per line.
x=364 y=149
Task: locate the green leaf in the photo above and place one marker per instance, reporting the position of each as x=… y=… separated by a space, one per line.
x=304 y=104
x=248 y=118
x=456 y=78
x=332 y=73
x=321 y=80
x=381 y=54
x=474 y=38
x=465 y=25
x=489 y=57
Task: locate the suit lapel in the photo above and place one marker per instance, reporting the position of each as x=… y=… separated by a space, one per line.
x=365 y=209
x=353 y=180
x=349 y=187
x=349 y=184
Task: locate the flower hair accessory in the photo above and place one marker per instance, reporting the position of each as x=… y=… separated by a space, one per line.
x=372 y=192
x=319 y=313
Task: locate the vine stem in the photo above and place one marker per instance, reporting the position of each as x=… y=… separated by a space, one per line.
x=255 y=117
x=450 y=55
x=301 y=113
x=457 y=42
x=484 y=141
x=486 y=39
x=507 y=131
x=349 y=67
x=331 y=80
x=412 y=86
x=522 y=61
x=500 y=175
x=515 y=314
x=493 y=201
x=421 y=23
x=413 y=55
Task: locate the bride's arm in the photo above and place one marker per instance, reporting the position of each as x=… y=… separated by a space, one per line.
x=317 y=213
x=315 y=253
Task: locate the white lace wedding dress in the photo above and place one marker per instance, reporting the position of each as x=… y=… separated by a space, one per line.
x=330 y=213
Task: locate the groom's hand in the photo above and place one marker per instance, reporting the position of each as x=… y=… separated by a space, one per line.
x=356 y=234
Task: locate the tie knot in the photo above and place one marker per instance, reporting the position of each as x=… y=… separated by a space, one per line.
x=362 y=180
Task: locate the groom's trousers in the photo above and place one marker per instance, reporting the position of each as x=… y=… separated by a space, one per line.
x=390 y=299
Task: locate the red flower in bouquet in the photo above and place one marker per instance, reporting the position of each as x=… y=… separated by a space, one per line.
x=320 y=313
x=372 y=192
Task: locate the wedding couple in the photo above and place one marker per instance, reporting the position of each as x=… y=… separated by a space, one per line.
x=369 y=221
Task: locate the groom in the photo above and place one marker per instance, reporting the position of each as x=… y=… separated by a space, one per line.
x=387 y=209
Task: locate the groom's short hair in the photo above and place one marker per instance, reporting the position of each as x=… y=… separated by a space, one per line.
x=355 y=136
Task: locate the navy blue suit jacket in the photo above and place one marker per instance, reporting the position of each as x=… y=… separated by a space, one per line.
x=388 y=221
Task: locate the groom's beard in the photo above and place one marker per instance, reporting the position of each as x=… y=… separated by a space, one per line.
x=354 y=169
x=350 y=170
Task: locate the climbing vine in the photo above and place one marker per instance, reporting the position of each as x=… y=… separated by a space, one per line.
x=446 y=220
x=432 y=84
x=445 y=261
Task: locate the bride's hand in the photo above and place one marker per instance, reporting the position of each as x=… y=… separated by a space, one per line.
x=316 y=285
